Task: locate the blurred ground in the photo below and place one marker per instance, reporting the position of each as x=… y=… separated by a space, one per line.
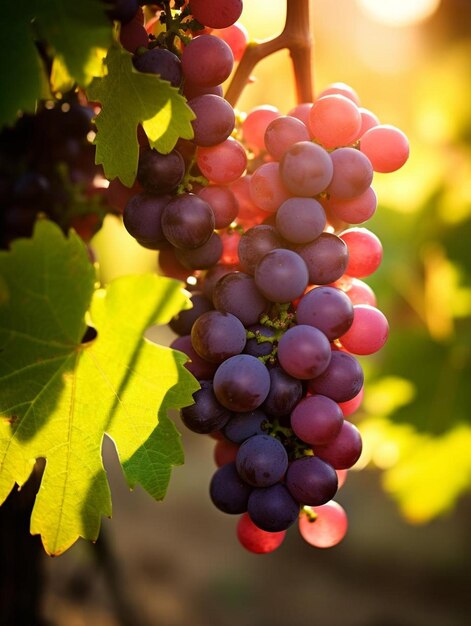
x=180 y=564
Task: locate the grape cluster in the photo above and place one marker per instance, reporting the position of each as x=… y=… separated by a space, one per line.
x=47 y=166
x=263 y=217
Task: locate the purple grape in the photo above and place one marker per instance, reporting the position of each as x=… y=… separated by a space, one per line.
x=311 y=481
x=304 y=352
x=272 y=509
x=160 y=173
x=316 y=419
x=187 y=221
x=241 y=426
x=241 y=383
x=142 y=217
x=202 y=257
x=228 y=492
x=162 y=62
x=300 y=220
x=200 y=368
x=306 y=169
x=255 y=243
x=343 y=451
x=182 y=322
x=206 y=415
x=285 y=392
x=327 y=308
x=281 y=275
x=237 y=293
x=212 y=276
x=341 y=380
x=207 y=61
x=326 y=258
x=191 y=91
x=216 y=336
x=262 y=461
x=223 y=203
x=256 y=346
x=215 y=119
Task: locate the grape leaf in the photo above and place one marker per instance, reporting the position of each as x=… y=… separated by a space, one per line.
x=77 y=33
x=129 y=98
x=58 y=396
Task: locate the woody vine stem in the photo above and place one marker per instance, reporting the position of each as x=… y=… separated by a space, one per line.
x=295 y=37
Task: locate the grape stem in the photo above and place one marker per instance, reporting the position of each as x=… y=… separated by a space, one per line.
x=297 y=38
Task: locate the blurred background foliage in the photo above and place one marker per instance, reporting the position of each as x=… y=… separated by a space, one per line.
x=410 y=62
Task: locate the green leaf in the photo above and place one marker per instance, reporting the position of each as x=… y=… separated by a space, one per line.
x=76 y=33
x=129 y=98
x=58 y=396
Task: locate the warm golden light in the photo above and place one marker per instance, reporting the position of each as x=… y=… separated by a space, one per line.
x=399 y=12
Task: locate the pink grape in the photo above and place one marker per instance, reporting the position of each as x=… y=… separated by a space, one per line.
x=207 y=61
x=368 y=120
x=341 y=89
x=365 y=251
x=341 y=477
x=301 y=112
x=386 y=147
x=223 y=163
x=360 y=293
x=350 y=406
x=323 y=526
x=255 y=125
x=266 y=187
x=225 y=452
x=353 y=210
x=236 y=37
x=216 y=13
x=282 y=133
x=344 y=450
x=334 y=121
x=369 y=330
x=256 y=540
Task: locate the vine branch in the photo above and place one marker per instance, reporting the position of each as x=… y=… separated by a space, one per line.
x=297 y=38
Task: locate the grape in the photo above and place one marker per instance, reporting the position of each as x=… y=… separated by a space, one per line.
x=369 y=331
x=311 y=480
x=224 y=163
x=300 y=220
x=285 y=392
x=306 y=169
x=207 y=414
x=386 y=147
x=272 y=508
x=236 y=37
x=216 y=13
x=349 y=407
x=228 y=492
x=118 y=195
x=281 y=275
x=255 y=539
x=207 y=61
x=353 y=210
x=262 y=461
x=249 y=213
x=334 y=121
x=282 y=133
x=224 y=451
x=142 y=217
x=241 y=383
x=187 y=221
x=326 y=258
x=162 y=62
x=344 y=450
x=301 y=112
x=237 y=293
x=201 y=369
x=169 y=265
x=212 y=276
x=327 y=309
x=352 y=175
x=191 y=91
x=223 y=203
x=202 y=257
x=260 y=345
x=182 y=322
x=255 y=125
x=255 y=243
x=365 y=251
x=316 y=419
x=216 y=336
x=215 y=119
x=266 y=187
x=368 y=120
x=341 y=89
x=341 y=380
x=304 y=352
x=133 y=35
x=160 y=173
x=360 y=293
x=323 y=526
x=244 y=425
x=230 y=243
